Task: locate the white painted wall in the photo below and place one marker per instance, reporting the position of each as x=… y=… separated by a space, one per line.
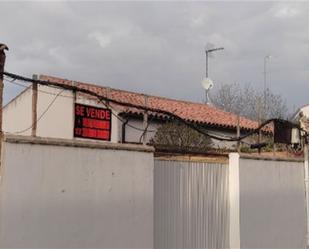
x=17 y=113
x=133 y=135
x=234 y=212
x=272 y=204
x=57 y=122
x=267 y=203
x=76 y=197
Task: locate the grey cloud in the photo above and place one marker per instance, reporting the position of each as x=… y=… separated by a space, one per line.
x=157 y=47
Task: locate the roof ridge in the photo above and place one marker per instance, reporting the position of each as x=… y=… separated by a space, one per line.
x=122 y=90
x=148 y=95
x=199 y=112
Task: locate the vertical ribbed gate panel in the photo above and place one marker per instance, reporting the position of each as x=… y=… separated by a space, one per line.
x=190 y=204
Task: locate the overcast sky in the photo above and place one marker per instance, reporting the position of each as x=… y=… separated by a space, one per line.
x=158 y=47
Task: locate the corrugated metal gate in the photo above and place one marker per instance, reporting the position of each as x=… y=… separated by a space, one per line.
x=191 y=204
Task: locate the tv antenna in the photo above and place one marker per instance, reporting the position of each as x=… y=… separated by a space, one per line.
x=207 y=83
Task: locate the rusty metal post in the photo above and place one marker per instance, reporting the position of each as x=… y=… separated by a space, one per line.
x=2 y=62
x=34 y=106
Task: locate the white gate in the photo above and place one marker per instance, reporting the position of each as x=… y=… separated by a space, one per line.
x=191 y=204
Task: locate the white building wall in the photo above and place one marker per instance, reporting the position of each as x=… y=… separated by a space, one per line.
x=17 y=114
x=57 y=121
x=134 y=135
x=75 y=194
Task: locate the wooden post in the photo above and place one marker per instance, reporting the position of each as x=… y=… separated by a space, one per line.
x=107 y=95
x=238 y=133
x=34 y=106
x=145 y=122
x=2 y=62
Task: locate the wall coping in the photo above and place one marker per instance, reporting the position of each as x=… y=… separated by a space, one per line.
x=271 y=158
x=194 y=159
x=76 y=143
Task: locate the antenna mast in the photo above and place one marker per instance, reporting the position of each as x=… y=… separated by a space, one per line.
x=210 y=83
x=207 y=52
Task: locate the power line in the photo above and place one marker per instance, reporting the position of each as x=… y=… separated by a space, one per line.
x=121 y=120
x=103 y=98
x=155 y=110
x=41 y=116
x=39 y=90
x=105 y=104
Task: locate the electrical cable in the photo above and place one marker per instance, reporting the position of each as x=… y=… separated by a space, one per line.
x=155 y=110
x=105 y=104
x=86 y=91
x=41 y=116
x=39 y=90
x=109 y=106
x=145 y=130
x=102 y=98
x=121 y=120
x=115 y=115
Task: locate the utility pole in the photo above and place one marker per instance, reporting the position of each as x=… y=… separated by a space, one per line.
x=262 y=107
x=259 y=123
x=267 y=57
x=2 y=62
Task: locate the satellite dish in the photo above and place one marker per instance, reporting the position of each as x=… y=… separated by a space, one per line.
x=207 y=84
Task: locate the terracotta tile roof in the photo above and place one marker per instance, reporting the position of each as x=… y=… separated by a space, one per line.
x=190 y=111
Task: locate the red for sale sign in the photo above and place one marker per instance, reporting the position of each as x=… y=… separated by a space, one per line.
x=92 y=122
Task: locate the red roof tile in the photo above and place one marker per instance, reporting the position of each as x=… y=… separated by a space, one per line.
x=190 y=111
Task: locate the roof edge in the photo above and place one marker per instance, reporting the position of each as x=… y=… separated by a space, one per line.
x=17 y=96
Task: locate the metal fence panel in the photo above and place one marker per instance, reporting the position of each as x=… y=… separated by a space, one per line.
x=190 y=204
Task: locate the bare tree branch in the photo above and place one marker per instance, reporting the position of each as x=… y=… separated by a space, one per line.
x=248 y=102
